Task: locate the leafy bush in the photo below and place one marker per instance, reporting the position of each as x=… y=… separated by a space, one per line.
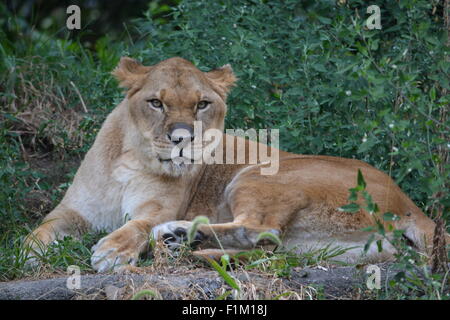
x=414 y=279
x=43 y=81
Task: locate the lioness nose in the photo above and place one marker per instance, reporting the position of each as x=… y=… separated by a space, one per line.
x=180 y=131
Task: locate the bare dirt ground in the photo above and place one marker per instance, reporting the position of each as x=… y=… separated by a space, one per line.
x=306 y=283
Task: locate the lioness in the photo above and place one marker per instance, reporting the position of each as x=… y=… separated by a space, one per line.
x=129 y=185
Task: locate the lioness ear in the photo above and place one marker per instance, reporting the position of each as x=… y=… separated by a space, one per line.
x=223 y=79
x=129 y=72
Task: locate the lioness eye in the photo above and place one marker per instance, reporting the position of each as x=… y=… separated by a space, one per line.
x=155 y=103
x=203 y=104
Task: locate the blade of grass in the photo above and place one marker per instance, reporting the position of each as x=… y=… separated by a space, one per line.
x=224 y=274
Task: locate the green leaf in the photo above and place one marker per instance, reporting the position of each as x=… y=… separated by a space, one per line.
x=143 y=293
x=381 y=229
x=224 y=274
x=432 y=93
x=380 y=245
x=389 y=216
x=398 y=233
x=324 y=20
x=369 y=242
x=351 y=207
x=268 y=235
x=225 y=259
x=353 y=195
x=256 y=263
x=369 y=229
x=224 y=295
x=361 y=181
x=195 y=223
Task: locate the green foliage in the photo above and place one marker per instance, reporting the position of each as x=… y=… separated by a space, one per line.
x=193 y=229
x=70 y=251
x=282 y=262
x=270 y=236
x=222 y=271
x=58 y=257
x=146 y=293
x=414 y=281
x=360 y=189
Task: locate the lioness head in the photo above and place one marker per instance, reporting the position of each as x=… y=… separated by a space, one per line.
x=165 y=99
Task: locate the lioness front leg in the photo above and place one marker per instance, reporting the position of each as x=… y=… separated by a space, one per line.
x=147 y=201
x=147 y=207
x=122 y=246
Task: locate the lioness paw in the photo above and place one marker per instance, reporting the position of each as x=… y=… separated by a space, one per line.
x=110 y=255
x=175 y=233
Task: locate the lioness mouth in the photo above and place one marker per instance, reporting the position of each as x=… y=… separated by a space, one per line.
x=177 y=160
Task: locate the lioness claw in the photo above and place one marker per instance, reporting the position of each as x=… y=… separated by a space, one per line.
x=108 y=256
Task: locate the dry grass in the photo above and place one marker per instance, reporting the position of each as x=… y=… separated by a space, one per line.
x=45 y=113
x=183 y=276
x=256 y=287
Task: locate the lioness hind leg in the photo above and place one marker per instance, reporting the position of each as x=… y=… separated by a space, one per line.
x=258 y=204
x=56 y=225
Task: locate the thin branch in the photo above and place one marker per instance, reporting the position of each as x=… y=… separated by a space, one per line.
x=79 y=95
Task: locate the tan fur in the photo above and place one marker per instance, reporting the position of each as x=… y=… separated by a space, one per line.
x=124 y=185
